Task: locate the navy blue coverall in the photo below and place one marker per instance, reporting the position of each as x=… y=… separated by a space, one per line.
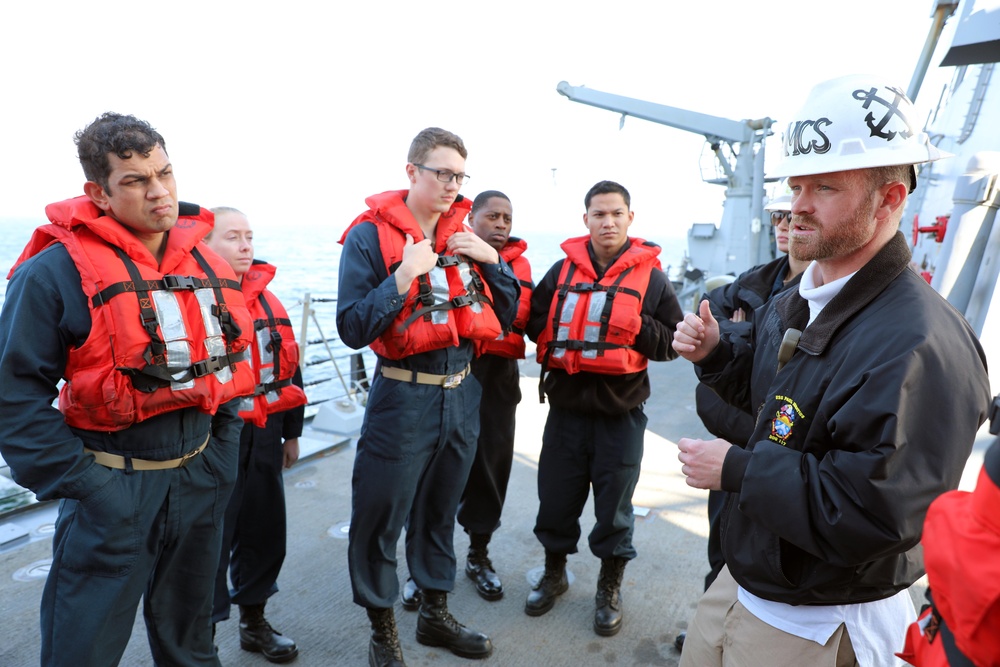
x=595 y=428
x=417 y=441
x=255 y=529
x=120 y=535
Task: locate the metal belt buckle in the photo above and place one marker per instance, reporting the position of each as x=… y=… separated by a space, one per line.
x=452 y=381
x=187 y=457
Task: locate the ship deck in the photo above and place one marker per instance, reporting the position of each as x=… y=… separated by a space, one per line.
x=660 y=589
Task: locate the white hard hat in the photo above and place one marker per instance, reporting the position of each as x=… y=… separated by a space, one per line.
x=781 y=199
x=718 y=281
x=779 y=203
x=854 y=122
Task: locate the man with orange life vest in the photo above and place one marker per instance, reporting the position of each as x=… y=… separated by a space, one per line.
x=419 y=287
x=253 y=541
x=598 y=317
x=495 y=366
x=148 y=328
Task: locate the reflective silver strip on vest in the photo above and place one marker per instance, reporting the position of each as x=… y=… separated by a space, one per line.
x=465 y=272
x=215 y=344
x=565 y=318
x=175 y=335
x=592 y=328
x=266 y=369
x=439 y=290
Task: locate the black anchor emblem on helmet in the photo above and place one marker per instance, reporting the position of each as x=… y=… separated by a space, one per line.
x=892 y=110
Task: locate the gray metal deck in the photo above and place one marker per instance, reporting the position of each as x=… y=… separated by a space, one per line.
x=661 y=587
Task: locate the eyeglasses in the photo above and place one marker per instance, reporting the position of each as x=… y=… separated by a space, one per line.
x=444 y=175
x=778 y=216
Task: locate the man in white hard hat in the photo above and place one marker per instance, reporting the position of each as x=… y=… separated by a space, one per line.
x=868 y=389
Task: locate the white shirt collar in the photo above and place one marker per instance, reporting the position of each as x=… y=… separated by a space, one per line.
x=818 y=297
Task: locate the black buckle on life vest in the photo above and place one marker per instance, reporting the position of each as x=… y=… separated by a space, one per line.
x=172 y=282
x=462 y=300
x=208 y=366
x=275 y=343
x=448 y=260
x=425 y=293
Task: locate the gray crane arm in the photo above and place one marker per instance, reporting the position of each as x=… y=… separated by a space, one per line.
x=712 y=127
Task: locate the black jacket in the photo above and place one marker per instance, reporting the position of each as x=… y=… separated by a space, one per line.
x=872 y=418
x=751 y=289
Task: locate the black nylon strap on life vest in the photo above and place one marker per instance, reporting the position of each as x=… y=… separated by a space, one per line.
x=267 y=387
x=155 y=374
x=561 y=290
x=461 y=301
x=425 y=291
x=156 y=353
x=605 y=319
x=608 y=304
x=274 y=345
x=168 y=283
x=150 y=378
x=425 y=298
x=230 y=330
x=526 y=283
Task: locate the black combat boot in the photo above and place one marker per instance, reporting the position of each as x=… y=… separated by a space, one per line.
x=608 y=614
x=552 y=584
x=410 y=595
x=479 y=568
x=384 y=649
x=437 y=627
x=257 y=635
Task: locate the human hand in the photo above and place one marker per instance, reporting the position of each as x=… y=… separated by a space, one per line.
x=701 y=461
x=291 y=453
x=697 y=335
x=473 y=247
x=418 y=259
x=738 y=316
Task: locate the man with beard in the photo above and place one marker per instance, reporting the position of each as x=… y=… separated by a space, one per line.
x=850 y=376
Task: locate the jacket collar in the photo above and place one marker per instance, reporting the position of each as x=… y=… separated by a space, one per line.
x=867 y=283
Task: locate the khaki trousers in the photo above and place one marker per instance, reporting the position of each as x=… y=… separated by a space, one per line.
x=724 y=634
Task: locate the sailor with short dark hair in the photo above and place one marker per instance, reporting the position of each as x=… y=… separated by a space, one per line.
x=598 y=317
x=148 y=328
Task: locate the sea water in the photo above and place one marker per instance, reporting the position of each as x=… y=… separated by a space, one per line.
x=307 y=261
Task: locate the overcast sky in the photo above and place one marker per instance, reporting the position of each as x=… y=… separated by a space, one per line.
x=296 y=111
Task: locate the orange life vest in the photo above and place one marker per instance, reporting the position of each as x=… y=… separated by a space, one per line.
x=450 y=302
x=275 y=352
x=961 y=540
x=593 y=323
x=510 y=344
x=162 y=337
